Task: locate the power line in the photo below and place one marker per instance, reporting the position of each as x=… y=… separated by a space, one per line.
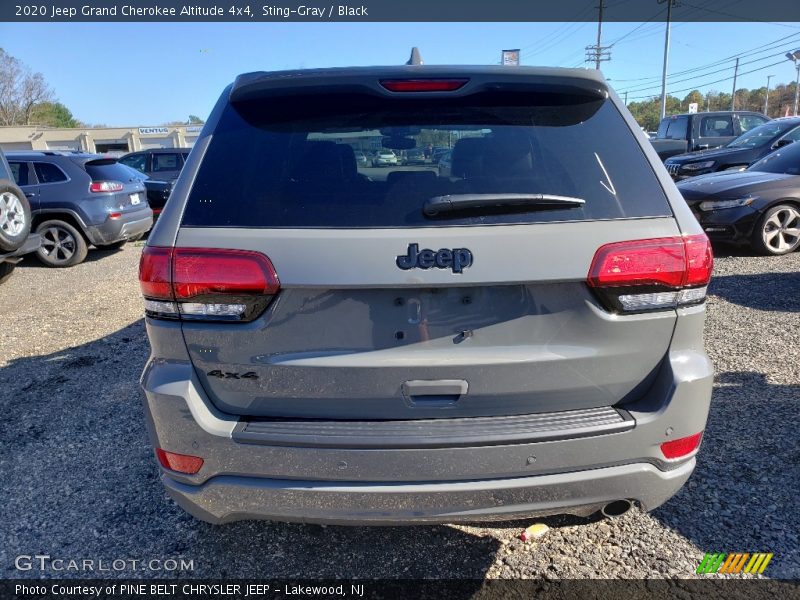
x=743 y=54
x=712 y=82
x=748 y=19
x=636 y=89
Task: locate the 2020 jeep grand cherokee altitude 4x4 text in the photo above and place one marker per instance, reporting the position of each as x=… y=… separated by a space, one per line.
x=520 y=336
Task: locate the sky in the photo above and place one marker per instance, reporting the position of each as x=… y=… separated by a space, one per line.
x=133 y=74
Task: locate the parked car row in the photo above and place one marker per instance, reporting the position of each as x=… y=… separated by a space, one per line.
x=745 y=188
x=58 y=204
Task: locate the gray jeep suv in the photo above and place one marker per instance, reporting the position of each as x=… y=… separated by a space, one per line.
x=519 y=336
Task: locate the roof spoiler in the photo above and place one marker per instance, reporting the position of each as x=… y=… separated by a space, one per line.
x=366 y=80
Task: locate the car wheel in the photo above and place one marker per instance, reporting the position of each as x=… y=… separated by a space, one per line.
x=15 y=217
x=6 y=269
x=778 y=230
x=62 y=244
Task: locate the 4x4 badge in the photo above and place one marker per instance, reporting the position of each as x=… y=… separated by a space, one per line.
x=456 y=259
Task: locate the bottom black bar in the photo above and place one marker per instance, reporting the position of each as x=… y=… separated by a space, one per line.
x=251 y=589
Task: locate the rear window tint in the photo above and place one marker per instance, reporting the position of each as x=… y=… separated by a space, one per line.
x=294 y=162
x=107 y=170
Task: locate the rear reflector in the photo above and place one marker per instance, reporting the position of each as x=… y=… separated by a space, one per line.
x=651 y=274
x=182 y=463
x=206 y=283
x=105 y=186
x=681 y=447
x=423 y=85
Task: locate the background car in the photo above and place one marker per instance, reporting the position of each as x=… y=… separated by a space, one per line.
x=163 y=164
x=738 y=154
x=437 y=153
x=759 y=206
x=361 y=158
x=415 y=156
x=445 y=164
x=678 y=134
x=384 y=158
x=80 y=199
x=16 y=240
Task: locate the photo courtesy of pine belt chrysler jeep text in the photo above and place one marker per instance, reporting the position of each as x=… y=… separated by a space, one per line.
x=518 y=335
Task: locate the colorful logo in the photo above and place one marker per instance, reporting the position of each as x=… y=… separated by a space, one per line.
x=740 y=562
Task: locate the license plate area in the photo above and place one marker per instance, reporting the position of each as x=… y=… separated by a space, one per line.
x=136 y=199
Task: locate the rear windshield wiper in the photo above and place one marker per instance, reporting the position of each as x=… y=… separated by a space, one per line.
x=459 y=202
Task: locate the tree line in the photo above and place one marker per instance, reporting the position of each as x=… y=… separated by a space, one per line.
x=781 y=98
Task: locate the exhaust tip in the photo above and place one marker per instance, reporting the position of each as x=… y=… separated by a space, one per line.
x=616 y=509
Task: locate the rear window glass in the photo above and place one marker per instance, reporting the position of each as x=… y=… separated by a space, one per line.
x=107 y=170
x=294 y=164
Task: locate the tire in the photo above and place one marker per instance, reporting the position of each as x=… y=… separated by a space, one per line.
x=15 y=217
x=62 y=244
x=6 y=269
x=778 y=230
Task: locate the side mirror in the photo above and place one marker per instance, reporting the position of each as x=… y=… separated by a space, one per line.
x=781 y=143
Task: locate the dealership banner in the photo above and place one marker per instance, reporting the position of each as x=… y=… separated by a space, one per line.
x=370 y=589
x=386 y=10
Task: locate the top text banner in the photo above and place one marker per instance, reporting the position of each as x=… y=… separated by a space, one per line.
x=398 y=10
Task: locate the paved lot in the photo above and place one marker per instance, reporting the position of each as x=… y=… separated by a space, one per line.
x=79 y=479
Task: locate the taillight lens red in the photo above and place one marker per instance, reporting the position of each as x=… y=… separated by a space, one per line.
x=699 y=260
x=105 y=186
x=199 y=272
x=682 y=446
x=155 y=277
x=423 y=85
x=652 y=274
x=659 y=261
x=182 y=463
x=206 y=283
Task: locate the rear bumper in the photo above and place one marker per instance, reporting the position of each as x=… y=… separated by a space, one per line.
x=582 y=493
x=115 y=230
x=31 y=244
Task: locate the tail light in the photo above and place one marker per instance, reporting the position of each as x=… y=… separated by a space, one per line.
x=423 y=85
x=182 y=463
x=652 y=274
x=99 y=187
x=681 y=447
x=206 y=284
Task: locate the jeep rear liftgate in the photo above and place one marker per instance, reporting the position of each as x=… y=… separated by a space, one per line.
x=527 y=273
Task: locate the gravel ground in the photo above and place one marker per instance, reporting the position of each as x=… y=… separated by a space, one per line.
x=79 y=479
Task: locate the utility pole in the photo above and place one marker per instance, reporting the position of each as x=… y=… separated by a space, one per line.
x=598 y=53
x=766 y=97
x=626 y=97
x=733 y=95
x=666 y=58
x=599 y=35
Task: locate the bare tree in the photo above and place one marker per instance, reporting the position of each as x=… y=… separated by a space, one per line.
x=20 y=91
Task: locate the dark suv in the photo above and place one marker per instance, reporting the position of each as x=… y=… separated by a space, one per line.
x=80 y=199
x=521 y=335
x=163 y=164
x=161 y=167
x=15 y=223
